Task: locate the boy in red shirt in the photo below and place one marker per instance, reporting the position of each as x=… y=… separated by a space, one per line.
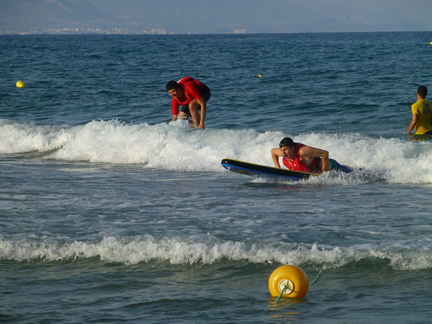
x=300 y=157
x=193 y=96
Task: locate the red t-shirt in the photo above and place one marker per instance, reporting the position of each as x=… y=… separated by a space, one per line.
x=296 y=165
x=191 y=90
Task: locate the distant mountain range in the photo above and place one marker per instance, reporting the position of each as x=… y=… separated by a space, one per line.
x=192 y=16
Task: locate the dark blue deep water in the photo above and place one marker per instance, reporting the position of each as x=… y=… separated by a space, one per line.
x=109 y=212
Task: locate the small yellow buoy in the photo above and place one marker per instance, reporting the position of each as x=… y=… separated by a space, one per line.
x=20 y=84
x=259 y=76
x=289 y=279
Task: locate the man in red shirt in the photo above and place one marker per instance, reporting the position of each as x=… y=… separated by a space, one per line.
x=300 y=157
x=193 y=96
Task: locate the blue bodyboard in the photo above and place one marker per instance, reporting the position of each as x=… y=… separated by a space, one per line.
x=262 y=171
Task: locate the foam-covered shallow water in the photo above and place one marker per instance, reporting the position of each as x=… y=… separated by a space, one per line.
x=175 y=147
x=109 y=212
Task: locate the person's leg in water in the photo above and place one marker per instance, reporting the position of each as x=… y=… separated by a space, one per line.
x=335 y=165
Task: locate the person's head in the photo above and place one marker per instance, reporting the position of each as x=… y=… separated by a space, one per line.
x=422 y=91
x=174 y=89
x=287 y=147
x=286 y=142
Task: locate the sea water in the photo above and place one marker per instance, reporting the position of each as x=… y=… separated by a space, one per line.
x=110 y=212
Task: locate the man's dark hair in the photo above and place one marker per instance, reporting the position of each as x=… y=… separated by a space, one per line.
x=171 y=85
x=422 y=91
x=286 y=141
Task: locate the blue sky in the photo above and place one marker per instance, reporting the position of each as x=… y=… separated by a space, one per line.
x=218 y=16
x=419 y=9
x=398 y=15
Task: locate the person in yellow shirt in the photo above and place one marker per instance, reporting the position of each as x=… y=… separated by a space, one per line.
x=421 y=114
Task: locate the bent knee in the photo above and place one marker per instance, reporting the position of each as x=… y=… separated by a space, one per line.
x=194 y=105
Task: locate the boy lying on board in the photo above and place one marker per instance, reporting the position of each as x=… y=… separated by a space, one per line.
x=299 y=157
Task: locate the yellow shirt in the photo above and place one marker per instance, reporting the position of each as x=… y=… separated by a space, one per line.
x=423 y=110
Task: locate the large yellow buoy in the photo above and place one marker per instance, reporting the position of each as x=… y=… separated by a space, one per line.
x=20 y=84
x=289 y=278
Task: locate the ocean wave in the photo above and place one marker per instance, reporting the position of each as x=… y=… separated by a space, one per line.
x=179 y=251
x=176 y=147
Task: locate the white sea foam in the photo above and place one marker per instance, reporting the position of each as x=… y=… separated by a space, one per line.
x=175 y=146
x=186 y=251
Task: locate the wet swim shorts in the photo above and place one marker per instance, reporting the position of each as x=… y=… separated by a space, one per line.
x=205 y=93
x=339 y=167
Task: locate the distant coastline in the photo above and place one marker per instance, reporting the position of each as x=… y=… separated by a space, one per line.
x=221 y=17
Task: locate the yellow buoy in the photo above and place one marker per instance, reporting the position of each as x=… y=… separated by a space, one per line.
x=291 y=279
x=259 y=76
x=20 y=84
